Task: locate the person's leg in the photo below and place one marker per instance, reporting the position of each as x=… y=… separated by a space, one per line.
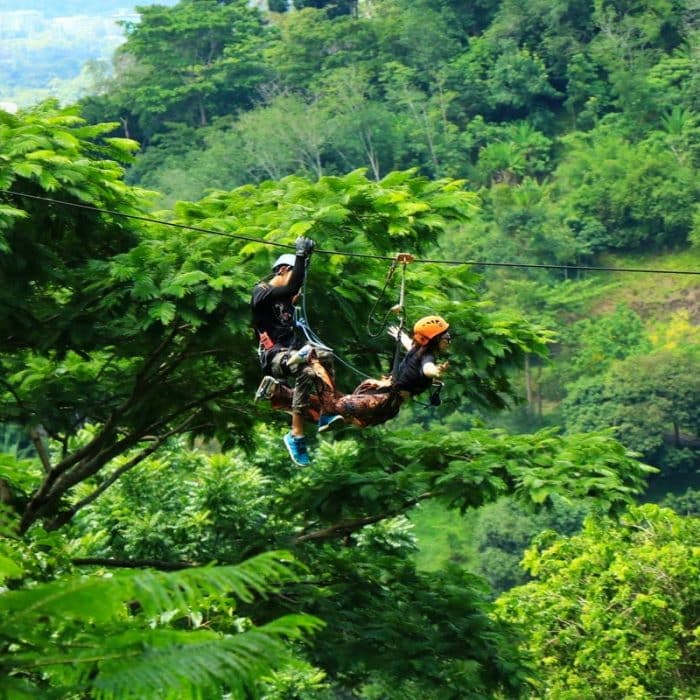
x=324 y=389
x=297 y=424
x=304 y=387
x=294 y=440
x=369 y=409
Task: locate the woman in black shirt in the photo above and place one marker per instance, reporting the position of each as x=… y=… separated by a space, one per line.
x=377 y=401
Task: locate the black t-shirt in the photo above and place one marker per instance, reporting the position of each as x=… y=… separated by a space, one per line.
x=273 y=310
x=411 y=377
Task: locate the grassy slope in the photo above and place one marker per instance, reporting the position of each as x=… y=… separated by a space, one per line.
x=655 y=297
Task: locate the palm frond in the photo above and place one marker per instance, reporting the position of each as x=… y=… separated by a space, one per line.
x=102 y=598
x=167 y=661
x=78 y=631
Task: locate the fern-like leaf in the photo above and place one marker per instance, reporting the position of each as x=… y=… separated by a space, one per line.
x=79 y=632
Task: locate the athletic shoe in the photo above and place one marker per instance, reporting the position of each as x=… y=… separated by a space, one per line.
x=267 y=388
x=326 y=422
x=296 y=446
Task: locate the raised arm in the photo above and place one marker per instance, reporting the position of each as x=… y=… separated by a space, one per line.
x=396 y=333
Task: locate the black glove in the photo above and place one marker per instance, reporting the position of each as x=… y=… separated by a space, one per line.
x=304 y=246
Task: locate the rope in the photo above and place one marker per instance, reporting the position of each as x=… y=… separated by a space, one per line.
x=301 y=321
x=369 y=256
x=389 y=277
x=399 y=308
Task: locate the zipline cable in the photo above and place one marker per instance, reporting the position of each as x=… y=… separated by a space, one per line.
x=473 y=263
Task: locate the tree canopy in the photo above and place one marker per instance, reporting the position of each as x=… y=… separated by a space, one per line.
x=629 y=633
x=155 y=539
x=124 y=336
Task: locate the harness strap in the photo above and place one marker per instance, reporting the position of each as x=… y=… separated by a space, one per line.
x=404 y=259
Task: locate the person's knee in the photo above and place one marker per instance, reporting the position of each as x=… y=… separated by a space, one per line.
x=278 y=366
x=324 y=357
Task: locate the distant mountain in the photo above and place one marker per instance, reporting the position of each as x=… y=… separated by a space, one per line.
x=63 y=8
x=46 y=44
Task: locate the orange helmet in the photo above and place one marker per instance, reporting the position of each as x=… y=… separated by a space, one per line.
x=428 y=327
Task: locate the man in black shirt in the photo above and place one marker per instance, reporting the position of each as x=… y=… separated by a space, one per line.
x=282 y=352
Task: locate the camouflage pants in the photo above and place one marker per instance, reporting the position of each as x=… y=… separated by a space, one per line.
x=311 y=378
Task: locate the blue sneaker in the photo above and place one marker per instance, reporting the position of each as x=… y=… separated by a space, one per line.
x=296 y=446
x=326 y=422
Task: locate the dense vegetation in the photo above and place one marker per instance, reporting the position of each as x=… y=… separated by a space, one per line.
x=157 y=542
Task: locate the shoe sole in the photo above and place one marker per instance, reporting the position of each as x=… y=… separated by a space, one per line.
x=266 y=389
x=335 y=423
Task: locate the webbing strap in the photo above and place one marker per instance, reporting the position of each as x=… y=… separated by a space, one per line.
x=404 y=259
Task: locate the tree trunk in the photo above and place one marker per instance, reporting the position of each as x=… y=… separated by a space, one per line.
x=528 y=384
x=679 y=439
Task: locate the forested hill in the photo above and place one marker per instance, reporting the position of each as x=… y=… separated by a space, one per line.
x=576 y=124
x=526 y=532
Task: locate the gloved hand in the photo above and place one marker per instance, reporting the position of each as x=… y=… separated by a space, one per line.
x=304 y=246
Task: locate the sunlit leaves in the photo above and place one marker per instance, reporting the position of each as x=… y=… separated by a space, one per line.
x=611 y=612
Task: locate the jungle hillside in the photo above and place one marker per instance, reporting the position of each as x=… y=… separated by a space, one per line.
x=527 y=529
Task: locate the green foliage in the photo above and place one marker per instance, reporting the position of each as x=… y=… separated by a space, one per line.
x=491 y=540
x=513 y=152
x=393 y=84
x=442 y=536
x=652 y=400
x=613 y=611
x=625 y=195
x=202 y=504
x=184 y=504
x=522 y=223
x=503 y=531
x=97 y=329
x=187 y=63
x=533 y=468
x=344 y=518
x=130 y=339
x=687 y=503
x=333 y=8
x=144 y=634
x=602 y=340
x=413 y=634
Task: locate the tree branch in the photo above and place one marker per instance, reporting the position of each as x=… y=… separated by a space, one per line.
x=89 y=459
x=40 y=447
x=66 y=515
x=135 y=563
x=341 y=529
x=16 y=397
x=347 y=527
